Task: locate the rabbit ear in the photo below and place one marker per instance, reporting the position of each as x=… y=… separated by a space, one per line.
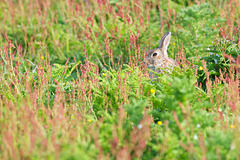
x=165 y=41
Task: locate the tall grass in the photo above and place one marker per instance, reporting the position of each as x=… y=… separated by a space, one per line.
x=72 y=84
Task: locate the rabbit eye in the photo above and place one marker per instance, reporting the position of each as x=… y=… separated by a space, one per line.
x=154 y=54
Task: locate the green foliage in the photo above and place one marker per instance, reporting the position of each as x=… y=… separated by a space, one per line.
x=217 y=62
x=135 y=110
x=72 y=83
x=198 y=28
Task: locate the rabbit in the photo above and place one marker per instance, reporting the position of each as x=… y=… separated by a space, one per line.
x=158 y=57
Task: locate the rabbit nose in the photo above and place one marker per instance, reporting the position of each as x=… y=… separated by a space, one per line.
x=145 y=61
x=150 y=64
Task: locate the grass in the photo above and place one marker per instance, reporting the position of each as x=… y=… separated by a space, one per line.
x=72 y=84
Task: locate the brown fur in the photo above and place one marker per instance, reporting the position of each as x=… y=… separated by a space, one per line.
x=158 y=57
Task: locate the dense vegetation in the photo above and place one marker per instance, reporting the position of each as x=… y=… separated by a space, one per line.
x=72 y=83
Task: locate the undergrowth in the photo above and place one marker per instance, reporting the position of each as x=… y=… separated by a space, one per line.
x=73 y=85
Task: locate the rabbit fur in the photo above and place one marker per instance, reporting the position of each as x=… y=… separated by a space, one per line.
x=158 y=57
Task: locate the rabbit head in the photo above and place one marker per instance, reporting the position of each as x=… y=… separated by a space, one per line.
x=158 y=57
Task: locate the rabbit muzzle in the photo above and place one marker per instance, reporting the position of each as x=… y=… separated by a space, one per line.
x=149 y=63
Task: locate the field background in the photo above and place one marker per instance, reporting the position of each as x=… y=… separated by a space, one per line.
x=72 y=83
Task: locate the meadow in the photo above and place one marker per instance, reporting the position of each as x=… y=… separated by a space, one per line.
x=73 y=85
